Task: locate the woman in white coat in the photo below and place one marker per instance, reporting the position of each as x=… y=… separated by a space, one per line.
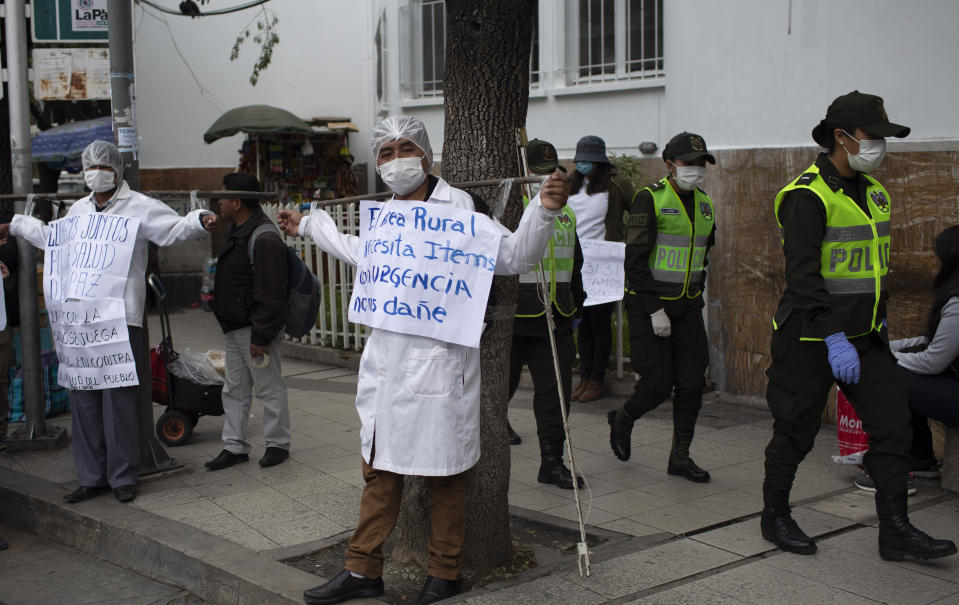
x=418 y=398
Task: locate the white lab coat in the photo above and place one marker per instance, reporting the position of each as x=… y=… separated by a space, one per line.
x=159 y=224
x=420 y=396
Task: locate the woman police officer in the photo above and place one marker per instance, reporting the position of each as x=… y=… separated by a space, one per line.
x=830 y=326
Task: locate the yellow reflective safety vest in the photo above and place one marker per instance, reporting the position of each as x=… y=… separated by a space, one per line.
x=558 y=266
x=678 y=262
x=855 y=249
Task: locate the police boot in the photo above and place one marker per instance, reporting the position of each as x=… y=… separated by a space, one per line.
x=778 y=526
x=620 y=432
x=679 y=461
x=898 y=538
x=551 y=468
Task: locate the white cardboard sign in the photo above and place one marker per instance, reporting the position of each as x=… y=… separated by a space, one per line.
x=603 y=275
x=424 y=269
x=86 y=262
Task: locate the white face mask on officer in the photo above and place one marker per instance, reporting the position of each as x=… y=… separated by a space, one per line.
x=99 y=180
x=870 y=156
x=402 y=175
x=690 y=177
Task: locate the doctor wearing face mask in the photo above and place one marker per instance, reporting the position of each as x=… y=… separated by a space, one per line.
x=419 y=396
x=106 y=437
x=670 y=228
x=830 y=326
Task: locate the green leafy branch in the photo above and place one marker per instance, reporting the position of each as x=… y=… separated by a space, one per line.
x=264 y=36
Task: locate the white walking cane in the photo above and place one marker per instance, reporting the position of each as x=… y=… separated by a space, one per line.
x=582 y=560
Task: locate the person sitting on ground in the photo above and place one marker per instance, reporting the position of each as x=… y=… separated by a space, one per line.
x=105 y=423
x=396 y=401
x=249 y=302
x=930 y=363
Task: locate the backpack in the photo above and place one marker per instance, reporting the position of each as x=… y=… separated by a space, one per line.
x=305 y=295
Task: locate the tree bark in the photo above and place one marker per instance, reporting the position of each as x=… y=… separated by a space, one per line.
x=486 y=93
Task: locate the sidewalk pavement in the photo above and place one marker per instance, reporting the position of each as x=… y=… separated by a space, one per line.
x=691 y=543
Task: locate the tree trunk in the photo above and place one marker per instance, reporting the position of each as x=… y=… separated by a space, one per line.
x=486 y=92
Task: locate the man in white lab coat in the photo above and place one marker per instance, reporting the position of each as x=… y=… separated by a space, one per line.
x=421 y=395
x=106 y=434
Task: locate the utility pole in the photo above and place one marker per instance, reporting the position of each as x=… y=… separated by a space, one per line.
x=35 y=434
x=153 y=458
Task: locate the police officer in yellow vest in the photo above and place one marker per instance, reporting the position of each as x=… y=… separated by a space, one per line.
x=670 y=228
x=562 y=266
x=830 y=326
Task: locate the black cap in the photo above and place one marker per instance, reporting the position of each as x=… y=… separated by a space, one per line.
x=241 y=181
x=591 y=148
x=541 y=157
x=687 y=147
x=864 y=111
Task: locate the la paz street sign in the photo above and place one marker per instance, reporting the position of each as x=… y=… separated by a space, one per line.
x=70 y=21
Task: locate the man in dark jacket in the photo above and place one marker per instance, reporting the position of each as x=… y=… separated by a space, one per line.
x=249 y=301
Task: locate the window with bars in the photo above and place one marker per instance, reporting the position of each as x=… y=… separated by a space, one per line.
x=432 y=28
x=615 y=40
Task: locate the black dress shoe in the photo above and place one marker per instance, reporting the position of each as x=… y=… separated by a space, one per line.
x=514 y=438
x=343 y=587
x=685 y=467
x=274 y=456
x=437 y=589
x=85 y=492
x=125 y=493
x=225 y=459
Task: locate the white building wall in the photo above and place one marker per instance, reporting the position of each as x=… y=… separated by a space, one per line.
x=321 y=67
x=744 y=73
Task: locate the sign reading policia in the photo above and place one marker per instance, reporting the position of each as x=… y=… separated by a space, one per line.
x=424 y=269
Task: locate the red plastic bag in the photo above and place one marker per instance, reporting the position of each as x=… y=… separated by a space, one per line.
x=158 y=375
x=853 y=441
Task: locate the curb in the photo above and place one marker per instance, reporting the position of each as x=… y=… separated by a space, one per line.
x=213 y=568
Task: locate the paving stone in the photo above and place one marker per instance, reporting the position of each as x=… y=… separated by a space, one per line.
x=687 y=594
x=759 y=583
x=664 y=563
x=630 y=502
x=630 y=527
x=864 y=576
x=732 y=504
x=679 y=518
x=551 y=589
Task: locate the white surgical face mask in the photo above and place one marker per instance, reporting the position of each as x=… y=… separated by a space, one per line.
x=870 y=156
x=402 y=175
x=690 y=177
x=99 y=180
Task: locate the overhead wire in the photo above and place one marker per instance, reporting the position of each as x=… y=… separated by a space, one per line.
x=204 y=91
x=220 y=11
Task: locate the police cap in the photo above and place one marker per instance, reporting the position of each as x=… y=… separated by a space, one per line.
x=866 y=112
x=687 y=147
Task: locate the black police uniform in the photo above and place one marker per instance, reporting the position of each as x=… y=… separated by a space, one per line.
x=676 y=363
x=801 y=375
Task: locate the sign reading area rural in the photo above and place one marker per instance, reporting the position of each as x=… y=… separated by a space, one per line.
x=603 y=274
x=424 y=269
x=85 y=266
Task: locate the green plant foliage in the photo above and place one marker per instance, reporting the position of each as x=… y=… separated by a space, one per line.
x=630 y=167
x=264 y=36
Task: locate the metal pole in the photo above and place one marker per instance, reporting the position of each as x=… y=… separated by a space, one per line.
x=153 y=458
x=35 y=433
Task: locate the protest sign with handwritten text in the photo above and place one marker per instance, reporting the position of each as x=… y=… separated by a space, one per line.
x=86 y=262
x=424 y=269
x=603 y=276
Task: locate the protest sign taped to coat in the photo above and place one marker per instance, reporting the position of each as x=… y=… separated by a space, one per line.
x=85 y=270
x=604 y=278
x=424 y=269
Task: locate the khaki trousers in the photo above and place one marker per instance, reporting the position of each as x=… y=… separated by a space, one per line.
x=379 y=508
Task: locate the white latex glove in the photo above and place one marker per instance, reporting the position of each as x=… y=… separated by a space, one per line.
x=661 y=325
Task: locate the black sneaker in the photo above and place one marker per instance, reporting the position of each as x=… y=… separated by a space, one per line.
x=866 y=484
x=924 y=469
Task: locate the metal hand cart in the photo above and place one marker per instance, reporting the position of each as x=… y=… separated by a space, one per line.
x=186 y=399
